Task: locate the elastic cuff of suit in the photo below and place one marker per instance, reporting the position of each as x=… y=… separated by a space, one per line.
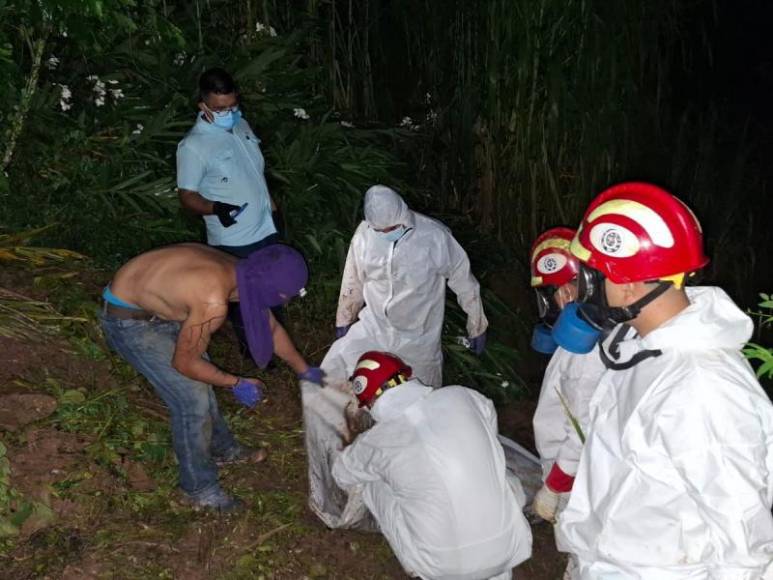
x=558 y=481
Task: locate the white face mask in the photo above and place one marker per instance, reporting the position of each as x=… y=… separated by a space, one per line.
x=394 y=235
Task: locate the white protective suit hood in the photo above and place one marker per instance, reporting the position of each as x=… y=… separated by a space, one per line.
x=676 y=478
x=384 y=208
x=711 y=321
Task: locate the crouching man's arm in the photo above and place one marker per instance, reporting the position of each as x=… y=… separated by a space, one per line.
x=285 y=349
x=192 y=343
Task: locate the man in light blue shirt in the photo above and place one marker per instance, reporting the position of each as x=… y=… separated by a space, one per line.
x=220 y=171
x=220 y=177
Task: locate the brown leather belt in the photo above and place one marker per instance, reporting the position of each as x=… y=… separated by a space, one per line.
x=127 y=313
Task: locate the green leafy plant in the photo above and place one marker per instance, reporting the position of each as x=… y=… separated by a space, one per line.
x=759 y=354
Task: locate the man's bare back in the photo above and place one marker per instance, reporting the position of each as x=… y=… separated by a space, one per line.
x=172 y=281
x=192 y=284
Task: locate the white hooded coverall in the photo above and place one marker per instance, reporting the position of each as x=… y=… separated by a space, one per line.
x=432 y=473
x=398 y=290
x=676 y=478
x=575 y=377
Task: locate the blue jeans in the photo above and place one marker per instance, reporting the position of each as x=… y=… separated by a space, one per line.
x=199 y=432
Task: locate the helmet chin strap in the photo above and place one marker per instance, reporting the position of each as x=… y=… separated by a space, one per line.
x=620 y=314
x=604 y=317
x=614 y=351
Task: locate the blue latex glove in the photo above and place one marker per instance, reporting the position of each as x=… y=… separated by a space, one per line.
x=247 y=393
x=342 y=330
x=313 y=375
x=478 y=344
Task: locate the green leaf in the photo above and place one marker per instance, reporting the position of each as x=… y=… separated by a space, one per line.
x=72 y=396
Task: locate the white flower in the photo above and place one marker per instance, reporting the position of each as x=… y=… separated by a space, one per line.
x=301 y=114
x=117 y=94
x=406 y=122
x=179 y=58
x=347 y=124
x=52 y=62
x=99 y=90
x=65 y=95
x=262 y=28
x=431 y=116
x=112 y=82
x=427 y=98
x=505 y=384
x=139 y=129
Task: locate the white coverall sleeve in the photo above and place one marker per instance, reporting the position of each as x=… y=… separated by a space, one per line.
x=714 y=441
x=350 y=300
x=354 y=466
x=577 y=394
x=465 y=286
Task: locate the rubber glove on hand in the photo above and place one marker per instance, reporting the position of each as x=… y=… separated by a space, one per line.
x=554 y=494
x=342 y=330
x=546 y=503
x=478 y=344
x=225 y=212
x=313 y=375
x=247 y=392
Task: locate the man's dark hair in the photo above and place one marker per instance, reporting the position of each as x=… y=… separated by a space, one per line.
x=217 y=81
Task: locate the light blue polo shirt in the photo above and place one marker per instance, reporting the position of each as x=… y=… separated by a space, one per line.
x=227 y=166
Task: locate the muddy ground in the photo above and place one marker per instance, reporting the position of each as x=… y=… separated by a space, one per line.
x=87 y=442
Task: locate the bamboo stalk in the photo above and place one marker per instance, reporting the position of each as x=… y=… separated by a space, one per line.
x=17 y=123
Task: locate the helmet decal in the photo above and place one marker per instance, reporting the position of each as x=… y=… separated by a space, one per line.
x=553 y=242
x=550 y=263
x=359 y=384
x=614 y=240
x=367 y=363
x=654 y=225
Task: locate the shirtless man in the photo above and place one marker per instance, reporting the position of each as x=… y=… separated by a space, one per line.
x=159 y=314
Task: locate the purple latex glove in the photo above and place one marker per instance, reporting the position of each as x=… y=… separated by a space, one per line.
x=313 y=375
x=248 y=393
x=478 y=344
x=342 y=330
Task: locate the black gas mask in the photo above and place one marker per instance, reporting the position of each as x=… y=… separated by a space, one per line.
x=595 y=309
x=547 y=307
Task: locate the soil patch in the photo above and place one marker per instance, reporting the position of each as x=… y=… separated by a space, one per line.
x=20 y=409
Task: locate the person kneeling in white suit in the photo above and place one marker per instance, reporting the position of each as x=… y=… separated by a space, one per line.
x=433 y=475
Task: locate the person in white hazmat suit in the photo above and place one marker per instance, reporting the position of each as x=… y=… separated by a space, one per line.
x=393 y=290
x=571 y=376
x=676 y=477
x=432 y=473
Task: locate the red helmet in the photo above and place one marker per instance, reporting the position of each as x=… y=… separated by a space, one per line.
x=552 y=264
x=637 y=232
x=374 y=372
